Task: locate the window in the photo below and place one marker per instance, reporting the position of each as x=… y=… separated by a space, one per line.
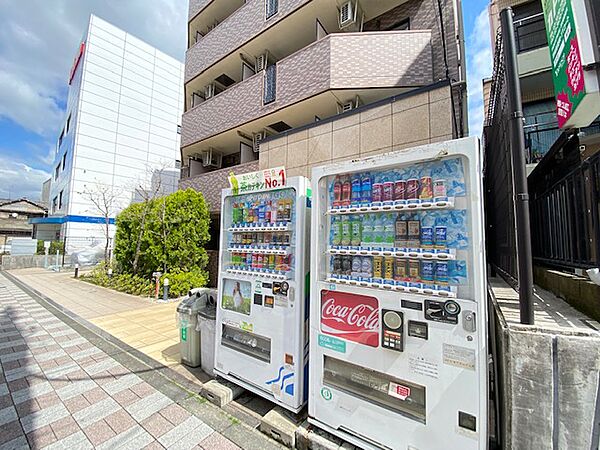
x=271 y=8
x=178 y=129
x=60 y=200
x=403 y=24
x=54 y=204
x=60 y=138
x=530 y=29
x=68 y=126
x=64 y=161
x=269 y=84
x=56 y=172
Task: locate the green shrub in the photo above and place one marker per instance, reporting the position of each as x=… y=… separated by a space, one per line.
x=122 y=282
x=54 y=245
x=180 y=282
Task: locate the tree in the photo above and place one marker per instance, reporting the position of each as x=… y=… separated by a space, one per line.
x=173 y=237
x=104 y=200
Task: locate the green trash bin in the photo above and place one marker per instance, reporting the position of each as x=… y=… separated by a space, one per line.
x=189 y=338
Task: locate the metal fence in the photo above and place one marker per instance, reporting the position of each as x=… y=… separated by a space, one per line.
x=565 y=212
x=498 y=185
x=530 y=33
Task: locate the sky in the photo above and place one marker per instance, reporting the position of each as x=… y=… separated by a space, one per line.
x=39 y=39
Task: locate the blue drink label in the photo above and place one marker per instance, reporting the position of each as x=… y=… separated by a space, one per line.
x=427 y=237
x=441 y=237
x=427 y=271
x=441 y=272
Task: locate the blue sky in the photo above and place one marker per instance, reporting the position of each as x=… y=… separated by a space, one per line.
x=38 y=40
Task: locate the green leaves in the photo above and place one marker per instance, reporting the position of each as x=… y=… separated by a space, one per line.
x=166 y=234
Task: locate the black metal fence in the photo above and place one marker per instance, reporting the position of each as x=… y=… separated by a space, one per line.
x=565 y=209
x=498 y=185
x=530 y=33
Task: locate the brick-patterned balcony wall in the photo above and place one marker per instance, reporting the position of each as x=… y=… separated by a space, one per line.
x=195 y=6
x=212 y=183
x=349 y=60
x=233 y=32
x=424 y=15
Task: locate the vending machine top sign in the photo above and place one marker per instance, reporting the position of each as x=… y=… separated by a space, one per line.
x=398 y=317
x=573 y=58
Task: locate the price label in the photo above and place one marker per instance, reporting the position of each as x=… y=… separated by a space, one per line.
x=258 y=181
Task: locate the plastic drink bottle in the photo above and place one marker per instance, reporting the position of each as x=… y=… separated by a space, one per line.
x=367 y=231
x=377 y=190
x=346 y=231
x=356 y=189
x=268 y=212
x=346 y=191
x=388 y=190
x=337 y=192
x=367 y=267
x=365 y=189
x=356 y=267
x=356 y=237
x=378 y=227
x=389 y=231
x=336 y=231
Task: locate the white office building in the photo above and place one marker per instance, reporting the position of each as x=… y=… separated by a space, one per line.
x=121 y=132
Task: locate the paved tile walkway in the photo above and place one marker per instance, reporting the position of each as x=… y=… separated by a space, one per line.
x=60 y=391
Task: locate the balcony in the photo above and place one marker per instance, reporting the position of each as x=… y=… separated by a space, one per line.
x=242 y=25
x=532 y=45
x=195 y=6
x=342 y=61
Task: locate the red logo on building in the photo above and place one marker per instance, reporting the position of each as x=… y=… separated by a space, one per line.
x=350 y=316
x=76 y=62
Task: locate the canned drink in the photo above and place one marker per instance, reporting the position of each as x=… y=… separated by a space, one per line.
x=336 y=266
x=388 y=191
x=439 y=189
x=414 y=270
x=441 y=237
x=356 y=267
x=267 y=238
x=259 y=261
x=400 y=269
x=441 y=272
x=412 y=190
x=427 y=237
x=254 y=261
x=248 y=260
x=389 y=267
x=367 y=267
x=347 y=266
x=426 y=188
x=377 y=266
x=414 y=233
x=401 y=237
x=427 y=271
x=279 y=262
x=399 y=190
x=271 y=262
x=286 y=239
x=261 y=238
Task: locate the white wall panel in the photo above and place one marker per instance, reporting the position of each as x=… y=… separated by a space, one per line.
x=102 y=24
x=169 y=67
x=131 y=111
x=167 y=142
x=91 y=177
x=100 y=122
x=132 y=142
x=98 y=144
x=126 y=130
x=98 y=111
x=136 y=95
x=164 y=100
x=134 y=81
x=141 y=125
x=91 y=77
x=99 y=60
x=94 y=164
x=161 y=132
x=168 y=125
x=114 y=47
x=131 y=152
x=171 y=114
x=138 y=43
x=138 y=59
x=95 y=153
x=107 y=94
x=85 y=129
x=107 y=55
x=105 y=72
x=91 y=97
x=142 y=72
x=133 y=103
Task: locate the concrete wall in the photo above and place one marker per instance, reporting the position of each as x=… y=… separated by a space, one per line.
x=548 y=377
x=404 y=121
x=25 y=261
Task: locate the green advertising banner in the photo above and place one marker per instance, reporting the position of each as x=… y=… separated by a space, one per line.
x=567 y=68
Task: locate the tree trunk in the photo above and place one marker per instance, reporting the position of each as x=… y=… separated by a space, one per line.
x=138 y=245
x=107 y=230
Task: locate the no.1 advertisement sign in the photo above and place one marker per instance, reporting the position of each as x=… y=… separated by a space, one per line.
x=258 y=181
x=349 y=316
x=565 y=56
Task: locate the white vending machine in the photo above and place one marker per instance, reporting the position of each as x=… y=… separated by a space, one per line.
x=398 y=313
x=262 y=314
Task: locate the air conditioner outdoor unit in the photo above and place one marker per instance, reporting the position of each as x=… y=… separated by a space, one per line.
x=351 y=16
x=257 y=138
x=348 y=106
x=261 y=62
x=212 y=158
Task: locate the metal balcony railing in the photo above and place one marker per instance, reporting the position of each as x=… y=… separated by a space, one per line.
x=539 y=137
x=530 y=33
x=270 y=86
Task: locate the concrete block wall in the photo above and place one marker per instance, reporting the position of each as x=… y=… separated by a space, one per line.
x=406 y=121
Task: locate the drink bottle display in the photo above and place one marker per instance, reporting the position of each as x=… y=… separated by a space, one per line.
x=346 y=230
x=337 y=193
x=366 y=188
x=356 y=237
x=346 y=191
x=356 y=189
x=388 y=231
x=377 y=190
x=367 y=231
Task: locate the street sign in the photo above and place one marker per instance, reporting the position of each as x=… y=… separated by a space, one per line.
x=571 y=51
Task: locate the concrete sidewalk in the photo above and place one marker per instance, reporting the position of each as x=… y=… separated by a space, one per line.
x=141 y=323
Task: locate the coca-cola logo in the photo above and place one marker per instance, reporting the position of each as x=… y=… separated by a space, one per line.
x=350 y=316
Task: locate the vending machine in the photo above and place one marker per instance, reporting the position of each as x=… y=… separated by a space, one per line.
x=262 y=315
x=398 y=304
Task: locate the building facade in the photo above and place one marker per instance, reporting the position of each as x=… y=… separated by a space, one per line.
x=537 y=88
x=121 y=131
x=258 y=70
x=14 y=219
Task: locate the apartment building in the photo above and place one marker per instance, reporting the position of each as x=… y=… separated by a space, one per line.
x=537 y=88
x=258 y=72
x=121 y=131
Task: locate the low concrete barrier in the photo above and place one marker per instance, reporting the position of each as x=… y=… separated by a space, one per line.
x=547 y=374
x=10 y=262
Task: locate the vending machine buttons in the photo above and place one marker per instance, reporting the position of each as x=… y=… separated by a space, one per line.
x=392 y=330
x=418 y=329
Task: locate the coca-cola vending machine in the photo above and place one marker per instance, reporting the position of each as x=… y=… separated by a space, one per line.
x=398 y=313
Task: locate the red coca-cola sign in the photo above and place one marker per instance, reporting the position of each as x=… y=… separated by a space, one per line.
x=350 y=316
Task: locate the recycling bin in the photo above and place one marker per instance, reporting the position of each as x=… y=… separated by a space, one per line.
x=206 y=325
x=189 y=338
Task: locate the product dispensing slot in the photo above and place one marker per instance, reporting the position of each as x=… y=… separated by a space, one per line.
x=384 y=390
x=250 y=344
